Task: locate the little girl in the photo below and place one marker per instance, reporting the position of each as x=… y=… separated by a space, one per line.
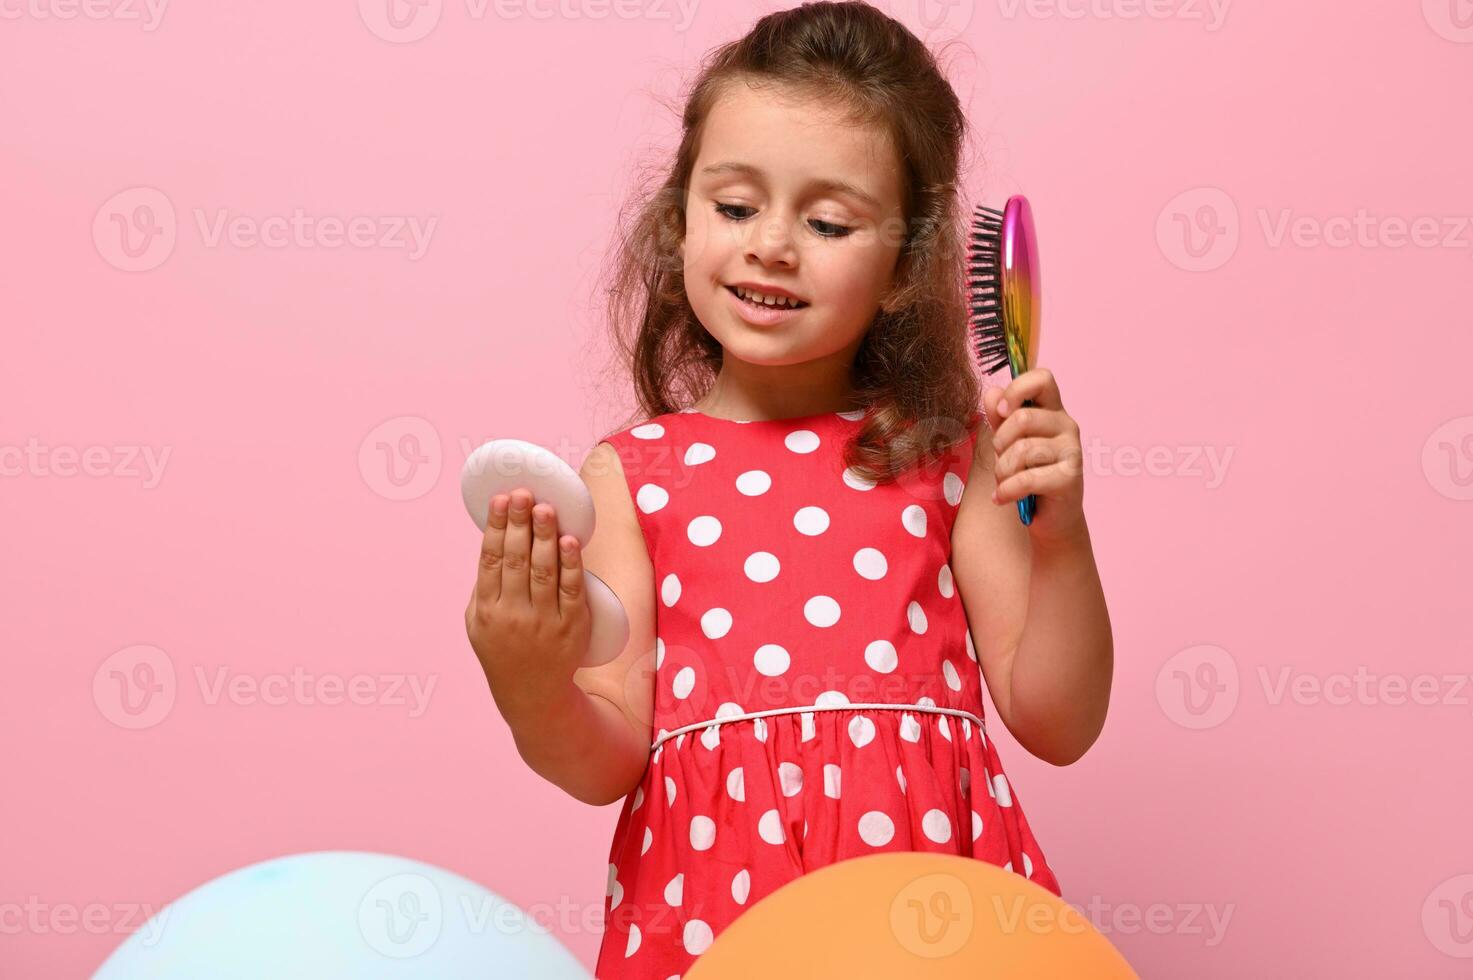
x=814 y=536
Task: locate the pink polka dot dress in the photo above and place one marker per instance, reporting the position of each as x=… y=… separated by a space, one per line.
x=817 y=693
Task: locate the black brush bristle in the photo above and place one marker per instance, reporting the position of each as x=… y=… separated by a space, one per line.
x=984 y=271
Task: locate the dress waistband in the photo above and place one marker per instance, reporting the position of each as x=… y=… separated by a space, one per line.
x=806 y=708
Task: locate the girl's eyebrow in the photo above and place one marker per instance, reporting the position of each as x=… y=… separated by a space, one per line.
x=822 y=183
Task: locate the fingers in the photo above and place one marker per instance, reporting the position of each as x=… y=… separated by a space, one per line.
x=516 y=572
x=1026 y=453
x=544 y=567
x=1042 y=480
x=1029 y=420
x=493 y=552
x=1037 y=385
x=570 y=580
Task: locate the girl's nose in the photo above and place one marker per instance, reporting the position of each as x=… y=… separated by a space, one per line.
x=771 y=241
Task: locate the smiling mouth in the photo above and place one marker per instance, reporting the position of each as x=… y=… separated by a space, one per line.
x=799 y=305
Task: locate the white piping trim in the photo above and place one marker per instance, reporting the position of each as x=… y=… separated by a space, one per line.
x=805 y=709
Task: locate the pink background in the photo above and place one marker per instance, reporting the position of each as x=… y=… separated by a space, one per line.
x=1333 y=835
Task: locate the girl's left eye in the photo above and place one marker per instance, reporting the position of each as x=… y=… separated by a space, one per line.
x=835 y=231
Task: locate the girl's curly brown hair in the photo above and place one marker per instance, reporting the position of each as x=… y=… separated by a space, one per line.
x=912 y=372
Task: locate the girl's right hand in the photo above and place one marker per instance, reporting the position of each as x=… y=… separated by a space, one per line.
x=528 y=617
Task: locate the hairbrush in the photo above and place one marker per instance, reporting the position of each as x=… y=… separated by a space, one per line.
x=1002 y=284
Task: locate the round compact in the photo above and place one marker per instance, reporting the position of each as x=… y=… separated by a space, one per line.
x=503 y=465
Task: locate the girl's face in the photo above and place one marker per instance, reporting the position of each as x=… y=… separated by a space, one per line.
x=765 y=207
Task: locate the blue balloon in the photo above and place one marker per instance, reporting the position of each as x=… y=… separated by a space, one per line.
x=340 y=914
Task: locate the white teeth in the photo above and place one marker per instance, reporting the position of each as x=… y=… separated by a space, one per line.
x=765 y=299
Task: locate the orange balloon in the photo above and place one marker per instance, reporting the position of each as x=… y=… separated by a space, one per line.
x=911 y=914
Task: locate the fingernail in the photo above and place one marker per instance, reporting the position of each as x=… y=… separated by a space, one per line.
x=1002 y=406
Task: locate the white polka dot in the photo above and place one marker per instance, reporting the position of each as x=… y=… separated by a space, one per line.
x=761 y=566
x=971 y=647
x=759 y=729
x=806 y=724
x=944 y=727
x=736 y=787
x=650 y=430
x=616 y=895
x=684 y=683
x=638 y=799
x=702 y=833
x=831 y=780
x=870 y=563
x=659 y=652
x=728 y=709
x=675 y=890
x=741 y=886
x=937 y=826
x=649 y=838
x=770 y=828
x=771 y=660
x=753 y=483
x=790 y=777
x=821 y=610
x=830 y=699
x=715 y=623
x=881 y=657
x=900 y=778
x=1027 y=865
x=861 y=731
x=1000 y=787
x=952 y=486
x=669 y=791
x=910 y=729
x=711 y=737
x=698 y=453
x=811 y=521
x=696 y=937
x=856 y=481
x=916 y=616
x=944 y=582
x=670 y=589
x=976 y=825
x=876 y=829
x=651 y=498
x=703 y=531
x=966 y=731
x=914 y=520
x=953 y=679
x=802 y=441
x=633 y=943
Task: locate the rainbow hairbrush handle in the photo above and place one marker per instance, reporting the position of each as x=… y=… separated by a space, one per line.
x=1003 y=287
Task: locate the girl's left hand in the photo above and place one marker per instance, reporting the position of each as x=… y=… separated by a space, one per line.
x=1038 y=451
